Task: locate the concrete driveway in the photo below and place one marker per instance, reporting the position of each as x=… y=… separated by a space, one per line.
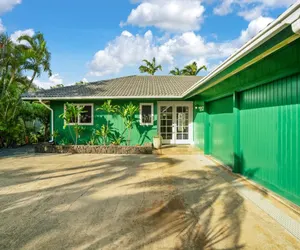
x=128 y=202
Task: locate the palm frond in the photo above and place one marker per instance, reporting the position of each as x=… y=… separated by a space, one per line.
x=150 y=67
x=201 y=68
x=159 y=67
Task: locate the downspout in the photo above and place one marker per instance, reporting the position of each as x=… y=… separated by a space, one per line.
x=52 y=117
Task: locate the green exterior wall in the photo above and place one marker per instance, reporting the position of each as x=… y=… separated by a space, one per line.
x=269 y=136
x=257 y=131
x=220 y=131
x=139 y=134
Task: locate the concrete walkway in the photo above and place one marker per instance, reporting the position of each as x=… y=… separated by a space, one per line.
x=128 y=202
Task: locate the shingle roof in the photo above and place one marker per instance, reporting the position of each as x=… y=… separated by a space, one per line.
x=131 y=86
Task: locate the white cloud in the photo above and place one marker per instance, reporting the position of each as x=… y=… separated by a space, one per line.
x=2 y=28
x=273 y=3
x=253 y=13
x=52 y=81
x=7 y=5
x=171 y=15
x=14 y=37
x=84 y=80
x=129 y=50
x=253 y=28
x=250 y=9
x=126 y=50
x=56 y=79
x=224 y=8
x=189 y=45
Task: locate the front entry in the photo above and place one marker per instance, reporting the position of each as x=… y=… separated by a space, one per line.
x=176 y=122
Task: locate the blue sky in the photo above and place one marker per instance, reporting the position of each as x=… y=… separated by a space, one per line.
x=96 y=40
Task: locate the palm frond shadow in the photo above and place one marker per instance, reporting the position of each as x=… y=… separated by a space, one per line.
x=191 y=221
x=182 y=206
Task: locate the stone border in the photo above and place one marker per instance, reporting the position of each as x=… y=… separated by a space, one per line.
x=87 y=149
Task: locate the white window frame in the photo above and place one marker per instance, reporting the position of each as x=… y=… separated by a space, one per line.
x=79 y=123
x=152 y=114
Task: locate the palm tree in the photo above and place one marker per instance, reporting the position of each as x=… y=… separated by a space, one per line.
x=60 y=85
x=150 y=67
x=13 y=62
x=39 y=55
x=192 y=69
x=81 y=83
x=176 y=72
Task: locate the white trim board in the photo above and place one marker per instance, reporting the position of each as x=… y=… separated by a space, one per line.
x=174 y=104
x=100 y=98
x=152 y=114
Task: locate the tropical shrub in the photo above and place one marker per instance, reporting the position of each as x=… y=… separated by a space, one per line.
x=71 y=117
x=55 y=135
x=64 y=141
x=127 y=112
x=109 y=109
x=103 y=133
x=34 y=138
x=117 y=138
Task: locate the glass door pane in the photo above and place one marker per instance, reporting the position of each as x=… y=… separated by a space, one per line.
x=182 y=122
x=166 y=122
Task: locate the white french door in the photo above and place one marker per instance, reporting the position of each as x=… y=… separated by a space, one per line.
x=175 y=122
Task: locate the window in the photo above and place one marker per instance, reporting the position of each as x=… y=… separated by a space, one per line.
x=146 y=113
x=87 y=116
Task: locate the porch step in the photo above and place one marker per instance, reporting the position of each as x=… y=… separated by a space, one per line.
x=177 y=150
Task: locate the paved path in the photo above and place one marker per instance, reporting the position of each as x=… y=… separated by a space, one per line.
x=128 y=202
x=19 y=151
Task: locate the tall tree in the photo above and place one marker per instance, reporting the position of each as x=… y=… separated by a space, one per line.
x=13 y=61
x=151 y=68
x=30 y=55
x=176 y=72
x=39 y=55
x=192 y=69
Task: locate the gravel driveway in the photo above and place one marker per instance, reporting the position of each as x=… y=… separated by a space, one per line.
x=128 y=202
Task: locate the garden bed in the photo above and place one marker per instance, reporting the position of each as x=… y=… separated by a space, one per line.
x=87 y=149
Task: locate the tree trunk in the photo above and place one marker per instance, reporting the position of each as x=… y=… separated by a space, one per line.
x=129 y=134
x=70 y=131
x=11 y=79
x=76 y=136
x=31 y=80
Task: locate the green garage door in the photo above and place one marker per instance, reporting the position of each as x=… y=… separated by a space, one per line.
x=269 y=134
x=221 y=129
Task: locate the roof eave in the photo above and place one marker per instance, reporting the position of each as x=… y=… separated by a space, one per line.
x=99 y=98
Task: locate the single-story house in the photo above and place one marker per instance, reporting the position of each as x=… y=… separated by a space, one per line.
x=246 y=112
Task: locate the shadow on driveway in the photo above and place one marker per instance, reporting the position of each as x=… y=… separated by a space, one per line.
x=117 y=202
